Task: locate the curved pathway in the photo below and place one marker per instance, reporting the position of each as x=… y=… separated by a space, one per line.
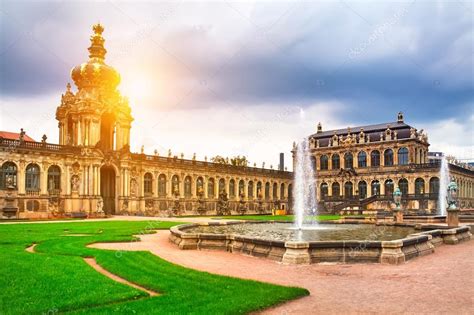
x=434 y=284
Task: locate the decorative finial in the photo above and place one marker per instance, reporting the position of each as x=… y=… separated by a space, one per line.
x=97 y=50
x=400 y=117
x=68 y=87
x=98 y=29
x=320 y=127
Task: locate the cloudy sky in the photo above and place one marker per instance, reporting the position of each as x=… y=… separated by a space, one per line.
x=248 y=77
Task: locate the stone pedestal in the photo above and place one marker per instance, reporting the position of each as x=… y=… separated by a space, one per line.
x=392 y=253
x=398 y=215
x=452 y=219
x=296 y=253
x=10 y=210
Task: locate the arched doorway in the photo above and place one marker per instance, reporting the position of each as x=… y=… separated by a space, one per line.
x=107 y=188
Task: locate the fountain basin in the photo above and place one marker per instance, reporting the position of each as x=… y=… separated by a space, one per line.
x=240 y=237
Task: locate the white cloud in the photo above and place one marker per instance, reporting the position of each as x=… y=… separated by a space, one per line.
x=452 y=137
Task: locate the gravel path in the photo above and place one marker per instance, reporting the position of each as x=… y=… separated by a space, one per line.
x=441 y=283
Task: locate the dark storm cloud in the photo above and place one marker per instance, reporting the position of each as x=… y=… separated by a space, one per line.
x=411 y=56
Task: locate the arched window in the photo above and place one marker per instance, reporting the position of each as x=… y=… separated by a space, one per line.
x=348 y=188
x=362 y=187
x=336 y=162
x=375 y=187
x=8 y=170
x=199 y=186
x=403 y=156
x=250 y=189
x=388 y=157
x=259 y=189
x=388 y=187
x=148 y=184
x=175 y=184
x=54 y=178
x=348 y=160
x=275 y=191
x=362 y=159
x=324 y=162
x=162 y=185
x=187 y=186
x=232 y=188
x=210 y=188
x=222 y=185
x=403 y=185
x=282 y=191
x=434 y=185
x=32 y=177
x=336 y=190
x=419 y=186
x=375 y=158
x=324 y=190
x=241 y=187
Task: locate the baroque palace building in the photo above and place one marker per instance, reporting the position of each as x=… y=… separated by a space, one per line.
x=92 y=171
x=359 y=168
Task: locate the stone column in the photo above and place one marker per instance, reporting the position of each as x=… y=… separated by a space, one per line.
x=43 y=181
x=193 y=186
x=79 y=132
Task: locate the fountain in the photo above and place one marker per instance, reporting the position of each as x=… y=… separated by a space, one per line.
x=443 y=185
x=304 y=193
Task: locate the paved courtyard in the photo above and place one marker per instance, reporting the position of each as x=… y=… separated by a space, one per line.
x=435 y=284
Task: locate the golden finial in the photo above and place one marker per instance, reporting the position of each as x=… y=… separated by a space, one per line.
x=98 y=29
x=97 y=50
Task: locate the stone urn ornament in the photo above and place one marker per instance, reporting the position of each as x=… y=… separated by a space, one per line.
x=452 y=219
x=452 y=195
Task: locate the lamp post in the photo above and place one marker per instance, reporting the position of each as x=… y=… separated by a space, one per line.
x=397 y=199
x=452 y=198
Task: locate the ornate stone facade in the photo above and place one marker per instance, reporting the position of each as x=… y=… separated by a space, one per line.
x=92 y=171
x=359 y=168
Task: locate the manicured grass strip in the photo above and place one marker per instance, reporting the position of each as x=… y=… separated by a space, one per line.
x=56 y=279
x=289 y=218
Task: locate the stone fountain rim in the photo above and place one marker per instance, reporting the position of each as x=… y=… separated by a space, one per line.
x=422 y=236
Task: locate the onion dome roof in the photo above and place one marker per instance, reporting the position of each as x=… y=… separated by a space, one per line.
x=95 y=73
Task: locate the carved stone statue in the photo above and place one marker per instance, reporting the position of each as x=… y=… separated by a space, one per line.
x=242 y=207
x=223 y=204
x=176 y=203
x=75 y=183
x=260 y=208
x=133 y=187
x=201 y=203
x=100 y=206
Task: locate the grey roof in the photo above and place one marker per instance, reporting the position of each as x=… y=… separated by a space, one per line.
x=367 y=129
x=403 y=132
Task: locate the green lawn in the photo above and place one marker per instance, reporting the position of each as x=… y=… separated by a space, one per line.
x=289 y=218
x=57 y=280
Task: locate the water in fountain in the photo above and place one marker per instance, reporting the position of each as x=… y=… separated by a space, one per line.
x=443 y=185
x=304 y=191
